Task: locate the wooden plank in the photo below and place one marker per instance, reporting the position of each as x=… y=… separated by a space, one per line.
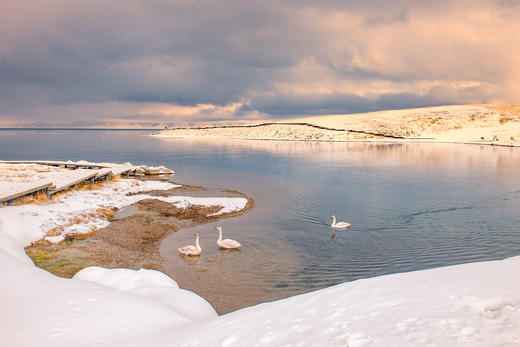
x=55 y=163
x=26 y=192
x=103 y=173
x=71 y=178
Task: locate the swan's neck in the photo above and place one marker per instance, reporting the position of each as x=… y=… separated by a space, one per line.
x=220 y=234
x=333 y=220
x=197 y=242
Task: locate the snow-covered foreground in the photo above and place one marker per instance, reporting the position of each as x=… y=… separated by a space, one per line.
x=473 y=304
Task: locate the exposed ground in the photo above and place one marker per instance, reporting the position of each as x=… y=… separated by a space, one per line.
x=130 y=241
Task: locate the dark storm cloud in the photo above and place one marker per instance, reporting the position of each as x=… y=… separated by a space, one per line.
x=289 y=106
x=272 y=57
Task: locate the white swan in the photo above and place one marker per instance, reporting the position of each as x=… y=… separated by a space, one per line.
x=192 y=250
x=227 y=243
x=339 y=225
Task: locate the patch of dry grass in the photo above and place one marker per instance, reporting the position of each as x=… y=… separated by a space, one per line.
x=513 y=109
x=506 y=118
x=105 y=213
x=55 y=231
x=35 y=198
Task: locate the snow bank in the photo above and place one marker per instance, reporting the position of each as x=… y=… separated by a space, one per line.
x=153 y=285
x=465 y=305
x=39 y=309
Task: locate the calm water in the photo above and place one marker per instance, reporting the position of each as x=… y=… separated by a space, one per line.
x=412 y=206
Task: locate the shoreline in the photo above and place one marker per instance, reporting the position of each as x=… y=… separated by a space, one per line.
x=386 y=141
x=119 y=243
x=135 y=234
x=115 y=231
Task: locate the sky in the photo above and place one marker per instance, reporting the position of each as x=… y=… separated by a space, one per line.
x=150 y=63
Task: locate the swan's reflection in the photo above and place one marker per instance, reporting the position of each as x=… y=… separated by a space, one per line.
x=190 y=259
x=223 y=253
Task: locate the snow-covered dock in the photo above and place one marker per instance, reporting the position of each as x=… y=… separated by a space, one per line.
x=23 y=178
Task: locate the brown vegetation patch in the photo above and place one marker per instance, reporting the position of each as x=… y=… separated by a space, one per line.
x=135 y=233
x=105 y=213
x=35 y=198
x=55 y=231
x=132 y=242
x=177 y=190
x=195 y=213
x=513 y=109
x=506 y=118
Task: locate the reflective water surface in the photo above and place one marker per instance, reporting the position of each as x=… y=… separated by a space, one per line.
x=412 y=206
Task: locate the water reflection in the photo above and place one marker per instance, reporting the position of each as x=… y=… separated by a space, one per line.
x=227 y=253
x=372 y=154
x=411 y=207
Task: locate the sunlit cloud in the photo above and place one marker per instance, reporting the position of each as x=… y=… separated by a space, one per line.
x=161 y=62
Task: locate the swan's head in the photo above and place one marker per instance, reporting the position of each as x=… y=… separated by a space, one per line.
x=197 y=234
x=332 y=216
x=218 y=228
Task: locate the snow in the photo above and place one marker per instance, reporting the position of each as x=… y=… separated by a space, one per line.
x=13 y=188
x=154 y=285
x=65 y=178
x=228 y=204
x=26 y=172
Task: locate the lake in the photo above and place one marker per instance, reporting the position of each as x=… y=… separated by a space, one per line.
x=411 y=206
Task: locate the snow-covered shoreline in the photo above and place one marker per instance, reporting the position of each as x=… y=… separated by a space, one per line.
x=475 y=304
x=77 y=211
x=475 y=124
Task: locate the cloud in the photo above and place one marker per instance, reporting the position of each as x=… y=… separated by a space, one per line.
x=109 y=62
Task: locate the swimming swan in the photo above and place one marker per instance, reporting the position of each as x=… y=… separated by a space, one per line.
x=227 y=243
x=192 y=250
x=339 y=225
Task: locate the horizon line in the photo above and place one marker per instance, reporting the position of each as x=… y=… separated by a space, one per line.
x=122 y=129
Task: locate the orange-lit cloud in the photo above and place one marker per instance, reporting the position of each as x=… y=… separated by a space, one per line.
x=121 y=63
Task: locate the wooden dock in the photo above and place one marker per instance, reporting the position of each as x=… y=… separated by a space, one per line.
x=78 y=173
x=18 y=190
